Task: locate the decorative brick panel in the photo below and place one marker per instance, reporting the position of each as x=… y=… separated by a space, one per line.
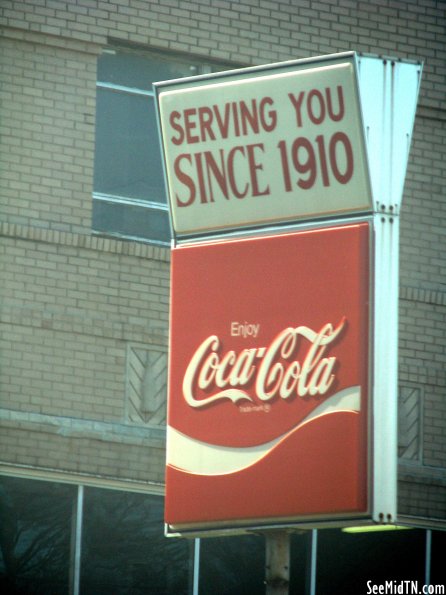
x=409 y=423
x=146 y=386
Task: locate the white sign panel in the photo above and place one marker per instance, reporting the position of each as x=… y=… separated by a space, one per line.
x=247 y=149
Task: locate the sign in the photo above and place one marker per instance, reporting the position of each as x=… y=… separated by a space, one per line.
x=271 y=414
x=261 y=146
x=269 y=400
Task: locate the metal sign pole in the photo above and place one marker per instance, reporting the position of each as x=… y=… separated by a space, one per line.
x=277 y=563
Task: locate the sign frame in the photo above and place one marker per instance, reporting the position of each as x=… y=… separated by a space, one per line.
x=249 y=218
x=374 y=434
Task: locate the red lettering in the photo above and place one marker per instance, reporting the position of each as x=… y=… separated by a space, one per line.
x=184 y=179
x=236 y=118
x=343 y=139
x=190 y=125
x=322 y=159
x=317 y=106
x=223 y=123
x=205 y=119
x=297 y=104
x=306 y=165
x=269 y=125
x=308 y=162
x=201 y=182
x=234 y=188
x=254 y=166
x=285 y=167
x=316 y=110
x=218 y=173
x=250 y=117
x=335 y=117
x=172 y=120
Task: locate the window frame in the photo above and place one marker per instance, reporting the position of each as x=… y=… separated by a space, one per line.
x=201 y=66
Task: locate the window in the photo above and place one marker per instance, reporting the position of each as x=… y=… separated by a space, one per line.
x=129 y=199
x=57 y=539
x=346 y=562
x=35 y=536
x=124 y=549
x=235 y=564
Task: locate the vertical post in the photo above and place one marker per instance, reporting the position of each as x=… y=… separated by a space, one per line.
x=385 y=371
x=75 y=566
x=427 y=564
x=313 y=562
x=277 y=570
x=196 y=576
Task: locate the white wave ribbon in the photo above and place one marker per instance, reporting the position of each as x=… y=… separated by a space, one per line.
x=202 y=458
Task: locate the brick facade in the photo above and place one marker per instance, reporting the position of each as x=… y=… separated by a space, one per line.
x=73 y=304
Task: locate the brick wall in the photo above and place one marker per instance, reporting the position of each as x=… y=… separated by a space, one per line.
x=422 y=337
x=71 y=306
x=48 y=95
x=74 y=305
x=47 y=134
x=250 y=31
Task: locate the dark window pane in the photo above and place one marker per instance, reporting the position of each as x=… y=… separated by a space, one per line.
x=347 y=561
x=128 y=159
x=124 y=550
x=231 y=565
x=438 y=570
x=133 y=70
x=35 y=536
x=300 y=561
x=131 y=221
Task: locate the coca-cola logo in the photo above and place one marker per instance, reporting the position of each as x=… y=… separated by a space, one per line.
x=269 y=330
x=296 y=363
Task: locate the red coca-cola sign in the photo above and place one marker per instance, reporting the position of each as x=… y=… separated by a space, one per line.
x=268 y=406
